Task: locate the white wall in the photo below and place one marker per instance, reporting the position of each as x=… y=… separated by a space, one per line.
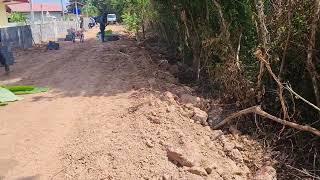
x=37 y=16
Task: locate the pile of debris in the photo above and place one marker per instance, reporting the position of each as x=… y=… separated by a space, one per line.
x=197 y=151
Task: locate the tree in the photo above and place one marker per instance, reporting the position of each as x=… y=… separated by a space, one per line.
x=90 y=9
x=17 y=17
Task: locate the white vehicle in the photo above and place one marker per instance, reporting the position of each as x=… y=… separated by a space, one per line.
x=111 y=18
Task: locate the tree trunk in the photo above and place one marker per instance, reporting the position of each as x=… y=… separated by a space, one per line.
x=312 y=39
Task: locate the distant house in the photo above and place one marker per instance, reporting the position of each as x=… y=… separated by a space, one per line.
x=50 y=11
x=3 y=14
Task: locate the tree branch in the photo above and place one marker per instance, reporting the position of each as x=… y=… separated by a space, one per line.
x=259 y=111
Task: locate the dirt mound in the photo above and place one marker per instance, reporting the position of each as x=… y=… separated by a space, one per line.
x=113 y=113
x=158 y=130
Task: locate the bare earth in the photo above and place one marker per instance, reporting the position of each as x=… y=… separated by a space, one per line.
x=108 y=115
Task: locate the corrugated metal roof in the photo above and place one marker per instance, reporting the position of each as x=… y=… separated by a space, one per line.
x=25 y=7
x=14 y=1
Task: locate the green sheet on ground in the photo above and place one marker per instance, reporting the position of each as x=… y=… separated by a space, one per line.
x=20 y=90
x=7 y=96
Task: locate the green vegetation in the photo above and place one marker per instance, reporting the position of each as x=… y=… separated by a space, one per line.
x=90 y=10
x=17 y=17
x=107 y=32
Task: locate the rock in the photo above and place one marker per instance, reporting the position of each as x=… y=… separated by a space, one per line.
x=170 y=109
x=170 y=97
x=166 y=177
x=236 y=155
x=234 y=131
x=209 y=170
x=154 y=120
x=149 y=143
x=213 y=121
x=174 y=69
x=216 y=134
x=187 y=113
x=179 y=156
x=227 y=145
x=215 y=115
x=200 y=116
x=266 y=173
x=187 y=98
x=198 y=171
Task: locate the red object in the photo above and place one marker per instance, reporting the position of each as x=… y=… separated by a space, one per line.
x=15 y=1
x=25 y=7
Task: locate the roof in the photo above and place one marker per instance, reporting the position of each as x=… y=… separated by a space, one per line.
x=14 y=1
x=25 y=7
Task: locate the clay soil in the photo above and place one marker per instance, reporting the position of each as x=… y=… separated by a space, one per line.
x=110 y=114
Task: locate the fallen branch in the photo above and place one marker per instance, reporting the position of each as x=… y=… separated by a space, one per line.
x=300 y=97
x=259 y=111
x=305 y=172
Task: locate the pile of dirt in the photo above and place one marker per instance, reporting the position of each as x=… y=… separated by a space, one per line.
x=159 y=130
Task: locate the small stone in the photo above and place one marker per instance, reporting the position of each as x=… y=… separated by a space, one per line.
x=151 y=103
x=216 y=134
x=189 y=99
x=266 y=173
x=187 y=113
x=227 y=145
x=170 y=97
x=178 y=155
x=166 y=177
x=236 y=155
x=209 y=170
x=200 y=116
x=234 y=131
x=154 y=120
x=149 y=143
x=170 y=109
x=198 y=171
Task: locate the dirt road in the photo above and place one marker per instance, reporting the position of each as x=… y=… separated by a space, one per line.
x=107 y=116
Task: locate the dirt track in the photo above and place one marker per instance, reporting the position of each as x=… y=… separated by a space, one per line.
x=94 y=123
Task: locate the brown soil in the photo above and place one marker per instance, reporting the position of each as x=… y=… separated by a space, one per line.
x=110 y=114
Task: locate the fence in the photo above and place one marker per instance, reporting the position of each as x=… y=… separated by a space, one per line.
x=25 y=36
x=19 y=36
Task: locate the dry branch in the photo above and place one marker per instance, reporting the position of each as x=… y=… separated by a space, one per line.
x=263 y=59
x=284 y=54
x=300 y=97
x=259 y=111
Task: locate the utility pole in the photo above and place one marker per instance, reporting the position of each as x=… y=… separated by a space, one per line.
x=41 y=26
x=31 y=13
x=76 y=4
x=62 y=7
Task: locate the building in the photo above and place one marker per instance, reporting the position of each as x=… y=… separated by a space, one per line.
x=3 y=14
x=50 y=11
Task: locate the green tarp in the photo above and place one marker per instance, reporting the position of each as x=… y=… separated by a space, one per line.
x=8 y=93
x=7 y=96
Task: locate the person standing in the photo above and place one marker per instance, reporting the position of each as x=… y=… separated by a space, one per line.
x=81 y=23
x=102 y=22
